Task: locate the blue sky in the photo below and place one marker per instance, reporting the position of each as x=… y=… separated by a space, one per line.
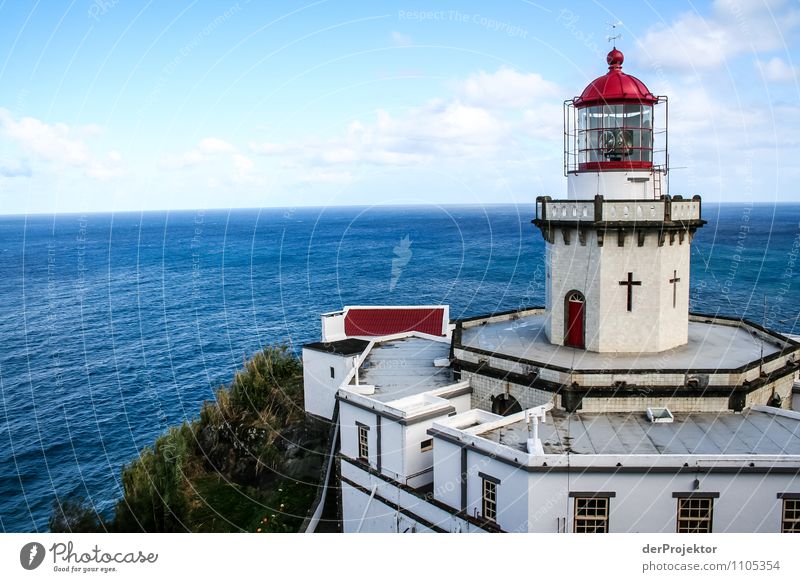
x=110 y=105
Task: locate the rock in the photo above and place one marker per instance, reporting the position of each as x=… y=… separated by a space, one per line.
x=244 y=471
x=207 y=438
x=303 y=469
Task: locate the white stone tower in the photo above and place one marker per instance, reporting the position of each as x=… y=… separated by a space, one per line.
x=618 y=247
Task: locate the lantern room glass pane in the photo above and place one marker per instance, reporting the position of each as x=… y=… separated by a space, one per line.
x=633 y=115
x=647 y=117
x=612 y=116
x=614 y=133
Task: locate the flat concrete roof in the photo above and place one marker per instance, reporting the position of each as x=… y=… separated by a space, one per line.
x=711 y=346
x=404 y=367
x=694 y=433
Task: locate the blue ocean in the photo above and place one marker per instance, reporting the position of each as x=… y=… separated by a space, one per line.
x=114 y=327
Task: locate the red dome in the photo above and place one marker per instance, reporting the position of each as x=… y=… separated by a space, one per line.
x=615 y=87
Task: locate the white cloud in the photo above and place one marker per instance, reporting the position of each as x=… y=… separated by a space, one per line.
x=205 y=150
x=217 y=159
x=734 y=27
x=545 y=121
x=56 y=143
x=106 y=169
x=438 y=130
x=507 y=88
x=777 y=70
x=213 y=145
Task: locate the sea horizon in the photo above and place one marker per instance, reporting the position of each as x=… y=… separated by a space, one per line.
x=345 y=206
x=117 y=326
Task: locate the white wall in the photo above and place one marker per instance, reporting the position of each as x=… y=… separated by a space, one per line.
x=378 y=519
x=319 y=389
x=614 y=185
x=382 y=518
x=333 y=326
x=654 y=324
x=349 y=415
x=512 y=491
x=414 y=460
x=401 y=456
x=548 y=502
x=447 y=473
x=539 y=501
x=392 y=449
x=747 y=503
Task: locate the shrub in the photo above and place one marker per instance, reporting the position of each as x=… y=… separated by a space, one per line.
x=155 y=489
x=74 y=516
x=269 y=385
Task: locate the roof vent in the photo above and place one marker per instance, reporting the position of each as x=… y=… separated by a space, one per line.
x=659 y=415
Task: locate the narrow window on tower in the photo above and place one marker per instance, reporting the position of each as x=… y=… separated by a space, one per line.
x=363 y=442
x=489 y=505
x=333 y=372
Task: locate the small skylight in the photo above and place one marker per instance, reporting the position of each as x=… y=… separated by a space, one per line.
x=659 y=415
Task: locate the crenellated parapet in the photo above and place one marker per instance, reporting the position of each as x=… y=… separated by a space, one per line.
x=672 y=216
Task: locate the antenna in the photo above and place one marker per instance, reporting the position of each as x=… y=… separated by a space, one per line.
x=612 y=27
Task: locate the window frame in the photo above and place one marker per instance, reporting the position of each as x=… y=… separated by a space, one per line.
x=686 y=503
x=489 y=502
x=363 y=442
x=588 y=522
x=426 y=445
x=795 y=520
x=489 y=499
x=623 y=120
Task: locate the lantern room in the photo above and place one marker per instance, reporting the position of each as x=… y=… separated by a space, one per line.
x=612 y=125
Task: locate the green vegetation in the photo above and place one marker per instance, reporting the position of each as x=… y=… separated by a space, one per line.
x=250 y=462
x=74 y=515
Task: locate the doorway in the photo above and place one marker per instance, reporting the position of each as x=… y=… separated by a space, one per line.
x=574 y=314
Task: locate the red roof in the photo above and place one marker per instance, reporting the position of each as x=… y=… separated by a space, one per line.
x=615 y=87
x=390 y=320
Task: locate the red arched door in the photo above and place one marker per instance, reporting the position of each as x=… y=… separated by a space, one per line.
x=575 y=306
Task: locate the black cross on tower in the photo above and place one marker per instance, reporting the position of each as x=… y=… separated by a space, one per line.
x=675 y=279
x=630 y=283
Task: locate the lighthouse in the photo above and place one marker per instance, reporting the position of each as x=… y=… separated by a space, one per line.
x=639 y=415
x=618 y=247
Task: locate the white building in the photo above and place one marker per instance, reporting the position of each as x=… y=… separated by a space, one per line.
x=612 y=409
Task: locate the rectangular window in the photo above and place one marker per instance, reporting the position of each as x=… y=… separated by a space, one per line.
x=333 y=372
x=591 y=515
x=791 y=516
x=489 y=500
x=695 y=514
x=363 y=442
x=426 y=445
